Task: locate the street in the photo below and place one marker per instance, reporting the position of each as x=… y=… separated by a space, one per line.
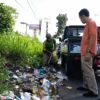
x=73 y=94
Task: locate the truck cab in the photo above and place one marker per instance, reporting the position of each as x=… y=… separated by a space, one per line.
x=72 y=61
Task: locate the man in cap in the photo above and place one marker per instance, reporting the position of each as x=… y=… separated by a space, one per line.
x=49 y=46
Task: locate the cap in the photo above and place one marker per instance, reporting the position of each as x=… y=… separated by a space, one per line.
x=48 y=35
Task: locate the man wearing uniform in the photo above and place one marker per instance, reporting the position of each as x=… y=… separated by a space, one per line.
x=49 y=46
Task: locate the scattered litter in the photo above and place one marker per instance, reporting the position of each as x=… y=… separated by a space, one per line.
x=41 y=84
x=69 y=87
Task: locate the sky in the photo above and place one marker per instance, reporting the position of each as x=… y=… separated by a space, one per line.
x=50 y=9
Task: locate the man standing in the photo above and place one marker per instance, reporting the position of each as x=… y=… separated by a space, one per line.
x=49 y=46
x=88 y=50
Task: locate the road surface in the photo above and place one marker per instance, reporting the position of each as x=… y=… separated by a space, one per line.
x=73 y=94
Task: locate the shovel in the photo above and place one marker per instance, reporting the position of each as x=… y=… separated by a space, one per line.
x=49 y=59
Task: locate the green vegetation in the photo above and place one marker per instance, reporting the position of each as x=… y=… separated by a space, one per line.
x=19 y=49
x=7 y=18
x=61 y=23
x=4 y=85
x=15 y=49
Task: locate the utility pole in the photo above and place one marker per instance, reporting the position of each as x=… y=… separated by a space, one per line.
x=34 y=31
x=26 y=29
x=40 y=25
x=26 y=26
x=46 y=27
x=47 y=22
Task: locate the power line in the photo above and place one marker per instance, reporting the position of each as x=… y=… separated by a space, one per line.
x=20 y=5
x=32 y=10
x=32 y=3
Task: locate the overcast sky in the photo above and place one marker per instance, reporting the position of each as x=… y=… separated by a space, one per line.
x=50 y=9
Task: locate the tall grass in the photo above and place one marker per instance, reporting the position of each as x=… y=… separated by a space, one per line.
x=4 y=84
x=17 y=49
x=20 y=49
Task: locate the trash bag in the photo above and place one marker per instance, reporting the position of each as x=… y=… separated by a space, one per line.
x=64 y=49
x=25 y=96
x=2 y=98
x=55 y=58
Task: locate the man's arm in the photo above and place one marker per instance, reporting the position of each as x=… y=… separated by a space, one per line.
x=91 y=42
x=54 y=44
x=44 y=48
x=92 y=33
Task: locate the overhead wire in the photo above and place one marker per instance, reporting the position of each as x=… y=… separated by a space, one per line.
x=32 y=3
x=32 y=10
x=20 y=5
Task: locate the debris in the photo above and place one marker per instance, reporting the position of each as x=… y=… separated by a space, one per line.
x=41 y=84
x=69 y=87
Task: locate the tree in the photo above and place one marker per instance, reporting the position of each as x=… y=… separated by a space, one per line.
x=62 y=19
x=7 y=18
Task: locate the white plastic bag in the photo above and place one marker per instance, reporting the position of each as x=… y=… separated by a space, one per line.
x=64 y=49
x=10 y=95
x=25 y=96
x=35 y=97
x=46 y=83
x=55 y=56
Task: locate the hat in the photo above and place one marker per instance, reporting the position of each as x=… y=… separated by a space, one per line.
x=48 y=35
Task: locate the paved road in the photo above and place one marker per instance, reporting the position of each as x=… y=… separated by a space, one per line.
x=73 y=94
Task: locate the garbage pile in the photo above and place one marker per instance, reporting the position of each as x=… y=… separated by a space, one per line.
x=38 y=83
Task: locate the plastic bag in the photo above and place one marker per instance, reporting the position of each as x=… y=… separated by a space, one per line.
x=35 y=97
x=2 y=98
x=55 y=56
x=46 y=83
x=46 y=98
x=25 y=96
x=10 y=95
x=60 y=75
x=64 y=49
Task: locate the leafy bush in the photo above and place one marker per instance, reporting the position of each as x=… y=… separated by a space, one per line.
x=17 y=49
x=4 y=85
x=20 y=49
x=7 y=18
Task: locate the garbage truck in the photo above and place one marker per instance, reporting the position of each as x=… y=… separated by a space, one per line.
x=72 y=60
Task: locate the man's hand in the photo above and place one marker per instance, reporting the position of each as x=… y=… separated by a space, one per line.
x=87 y=57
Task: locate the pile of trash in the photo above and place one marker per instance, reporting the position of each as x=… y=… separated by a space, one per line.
x=40 y=83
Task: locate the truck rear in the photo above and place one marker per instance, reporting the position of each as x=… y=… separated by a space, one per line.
x=72 y=61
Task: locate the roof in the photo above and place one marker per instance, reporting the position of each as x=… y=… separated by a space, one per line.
x=75 y=26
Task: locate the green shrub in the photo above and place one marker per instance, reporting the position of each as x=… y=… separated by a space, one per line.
x=20 y=49
x=4 y=84
x=17 y=49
